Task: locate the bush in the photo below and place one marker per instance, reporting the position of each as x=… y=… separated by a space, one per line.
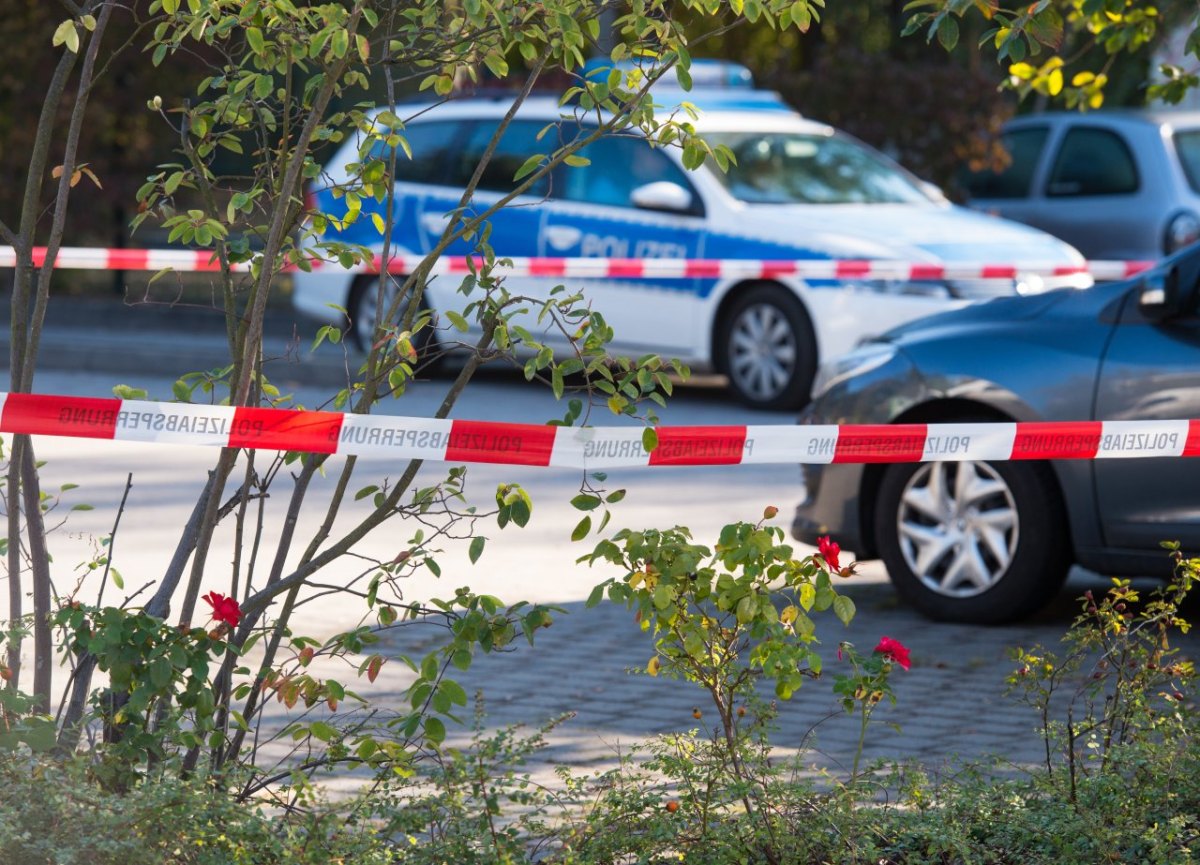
x=58 y=812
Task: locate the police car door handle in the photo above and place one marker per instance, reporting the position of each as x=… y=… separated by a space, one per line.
x=562 y=237
x=435 y=223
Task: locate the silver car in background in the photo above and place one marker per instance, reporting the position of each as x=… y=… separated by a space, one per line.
x=1113 y=184
x=992 y=541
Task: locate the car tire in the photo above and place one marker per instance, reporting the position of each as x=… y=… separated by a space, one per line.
x=767 y=350
x=974 y=542
x=363 y=309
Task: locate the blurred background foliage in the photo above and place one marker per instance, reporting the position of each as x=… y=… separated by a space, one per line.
x=932 y=110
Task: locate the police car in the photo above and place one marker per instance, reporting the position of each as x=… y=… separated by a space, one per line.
x=799 y=190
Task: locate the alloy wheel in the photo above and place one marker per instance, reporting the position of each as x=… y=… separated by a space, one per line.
x=762 y=351
x=958 y=527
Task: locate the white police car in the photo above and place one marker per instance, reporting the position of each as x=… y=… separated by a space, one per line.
x=799 y=190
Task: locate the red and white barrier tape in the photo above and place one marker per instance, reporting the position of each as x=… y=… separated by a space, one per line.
x=81 y=258
x=467 y=441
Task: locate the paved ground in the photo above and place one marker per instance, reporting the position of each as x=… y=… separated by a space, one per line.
x=950 y=706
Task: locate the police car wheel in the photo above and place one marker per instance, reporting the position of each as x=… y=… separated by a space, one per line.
x=364 y=310
x=973 y=542
x=767 y=349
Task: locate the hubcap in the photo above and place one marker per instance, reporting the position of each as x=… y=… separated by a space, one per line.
x=762 y=351
x=958 y=527
x=365 y=320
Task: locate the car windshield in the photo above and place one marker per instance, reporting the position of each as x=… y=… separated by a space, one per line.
x=798 y=168
x=1187 y=145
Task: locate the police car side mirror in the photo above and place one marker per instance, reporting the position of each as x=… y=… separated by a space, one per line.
x=662 y=195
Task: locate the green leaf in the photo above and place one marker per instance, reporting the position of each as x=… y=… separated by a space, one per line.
x=596 y=596
x=947 y=32
x=528 y=166
x=255 y=37
x=435 y=730
x=519 y=511
x=476 y=549
x=429 y=667
x=324 y=732
x=585 y=502
x=160 y=673
x=577 y=161
x=582 y=529
x=460 y=323
x=843 y=608
x=496 y=64
x=649 y=439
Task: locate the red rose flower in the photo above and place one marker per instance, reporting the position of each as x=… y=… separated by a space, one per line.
x=829 y=551
x=894 y=650
x=225 y=608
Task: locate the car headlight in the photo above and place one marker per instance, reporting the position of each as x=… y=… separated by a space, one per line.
x=859 y=361
x=909 y=288
x=1182 y=230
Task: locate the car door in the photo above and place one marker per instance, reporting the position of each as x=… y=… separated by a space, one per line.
x=1009 y=191
x=513 y=230
x=1151 y=371
x=592 y=215
x=1093 y=185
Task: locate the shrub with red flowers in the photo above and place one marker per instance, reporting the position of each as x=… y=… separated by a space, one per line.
x=869 y=683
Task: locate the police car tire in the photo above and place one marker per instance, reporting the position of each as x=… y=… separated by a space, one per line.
x=361 y=304
x=1039 y=562
x=780 y=306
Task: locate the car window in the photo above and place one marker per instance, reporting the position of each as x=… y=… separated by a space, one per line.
x=1092 y=162
x=519 y=142
x=799 y=168
x=1187 y=145
x=1024 y=148
x=430 y=144
x=617 y=165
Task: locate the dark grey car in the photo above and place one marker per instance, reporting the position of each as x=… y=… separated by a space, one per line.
x=992 y=541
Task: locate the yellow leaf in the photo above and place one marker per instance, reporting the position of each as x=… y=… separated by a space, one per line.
x=1054 y=82
x=653 y=666
x=66 y=34
x=788 y=614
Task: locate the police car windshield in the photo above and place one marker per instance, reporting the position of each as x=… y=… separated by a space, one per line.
x=795 y=168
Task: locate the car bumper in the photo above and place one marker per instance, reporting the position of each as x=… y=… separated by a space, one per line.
x=838 y=499
x=831 y=506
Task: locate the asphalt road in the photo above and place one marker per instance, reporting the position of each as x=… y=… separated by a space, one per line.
x=949 y=704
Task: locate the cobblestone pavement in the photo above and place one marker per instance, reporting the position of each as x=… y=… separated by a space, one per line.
x=950 y=705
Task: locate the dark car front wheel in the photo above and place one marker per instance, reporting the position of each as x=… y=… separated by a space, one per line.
x=972 y=541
